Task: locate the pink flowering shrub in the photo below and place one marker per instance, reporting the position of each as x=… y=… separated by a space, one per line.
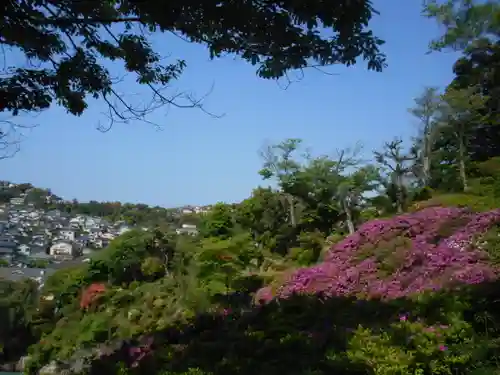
x=390 y=258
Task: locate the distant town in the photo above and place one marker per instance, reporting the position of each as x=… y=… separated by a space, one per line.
x=38 y=235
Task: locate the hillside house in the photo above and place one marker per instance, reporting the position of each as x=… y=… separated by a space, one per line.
x=63 y=249
x=24 y=249
x=17 y=201
x=67 y=234
x=189 y=229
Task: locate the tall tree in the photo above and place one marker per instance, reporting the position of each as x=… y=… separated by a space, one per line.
x=279 y=163
x=426 y=109
x=218 y=222
x=352 y=190
x=479 y=68
x=398 y=164
x=68 y=42
x=464 y=21
x=316 y=186
x=331 y=189
x=460 y=113
x=264 y=216
x=473 y=27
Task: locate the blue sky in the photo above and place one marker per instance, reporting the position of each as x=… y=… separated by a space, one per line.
x=197 y=159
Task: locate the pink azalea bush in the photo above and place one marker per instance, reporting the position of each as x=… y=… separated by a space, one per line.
x=439 y=250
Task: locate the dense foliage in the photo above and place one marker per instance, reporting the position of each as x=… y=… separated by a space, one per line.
x=70 y=47
x=436 y=333
x=17 y=301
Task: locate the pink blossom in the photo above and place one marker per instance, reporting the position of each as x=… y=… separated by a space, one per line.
x=427 y=260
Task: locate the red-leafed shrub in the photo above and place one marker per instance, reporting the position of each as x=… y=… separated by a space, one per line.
x=90 y=294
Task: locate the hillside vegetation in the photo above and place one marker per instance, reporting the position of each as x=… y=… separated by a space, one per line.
x=383 y=267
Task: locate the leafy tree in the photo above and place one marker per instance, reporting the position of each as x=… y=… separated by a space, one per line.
x=326 y=192
x=18 y=302
x=464 y=21
x=398 y=166
x=425 y=110
x=473 y=27
x=478 y=68
x=221 y=260
x=279 y=163
x=218 y=222
x=352 y=190
x=264 y=216
x=127 y=258
x=65 y=284
x=460 y=112
x=67 y=43
x=317 y=186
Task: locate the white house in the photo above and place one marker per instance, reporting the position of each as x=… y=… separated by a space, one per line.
x=63 y=249
x=24 y=249
x=92 y=223
x=67 y=234
x=17 y=201
x=189 y=229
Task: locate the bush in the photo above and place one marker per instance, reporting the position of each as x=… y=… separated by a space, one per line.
x=435 y=333
x=153 y=268
x=391 y=258
x=423 y=194
x=91 y=294
x=474 y=202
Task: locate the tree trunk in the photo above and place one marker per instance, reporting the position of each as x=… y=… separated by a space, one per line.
x=399 y=184
x=426 y=162
x=350 y=223
x=461 y=163
x=426 y=168
x=291 y=203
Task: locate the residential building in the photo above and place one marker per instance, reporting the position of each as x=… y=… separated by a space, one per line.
x=63 y=249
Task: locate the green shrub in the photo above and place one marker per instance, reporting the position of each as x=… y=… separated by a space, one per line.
x=302 y=257
x=153 y=267
x=423 y=194
x=474 y=202
x=447 y=332
x=490 y=242
x=389 y=254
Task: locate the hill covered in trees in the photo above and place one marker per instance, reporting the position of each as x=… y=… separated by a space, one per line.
x=133 y=214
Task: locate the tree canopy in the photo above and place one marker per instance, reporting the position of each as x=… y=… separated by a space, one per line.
x=68 y=42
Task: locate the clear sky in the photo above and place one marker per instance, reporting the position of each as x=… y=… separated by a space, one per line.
x=197 y=159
